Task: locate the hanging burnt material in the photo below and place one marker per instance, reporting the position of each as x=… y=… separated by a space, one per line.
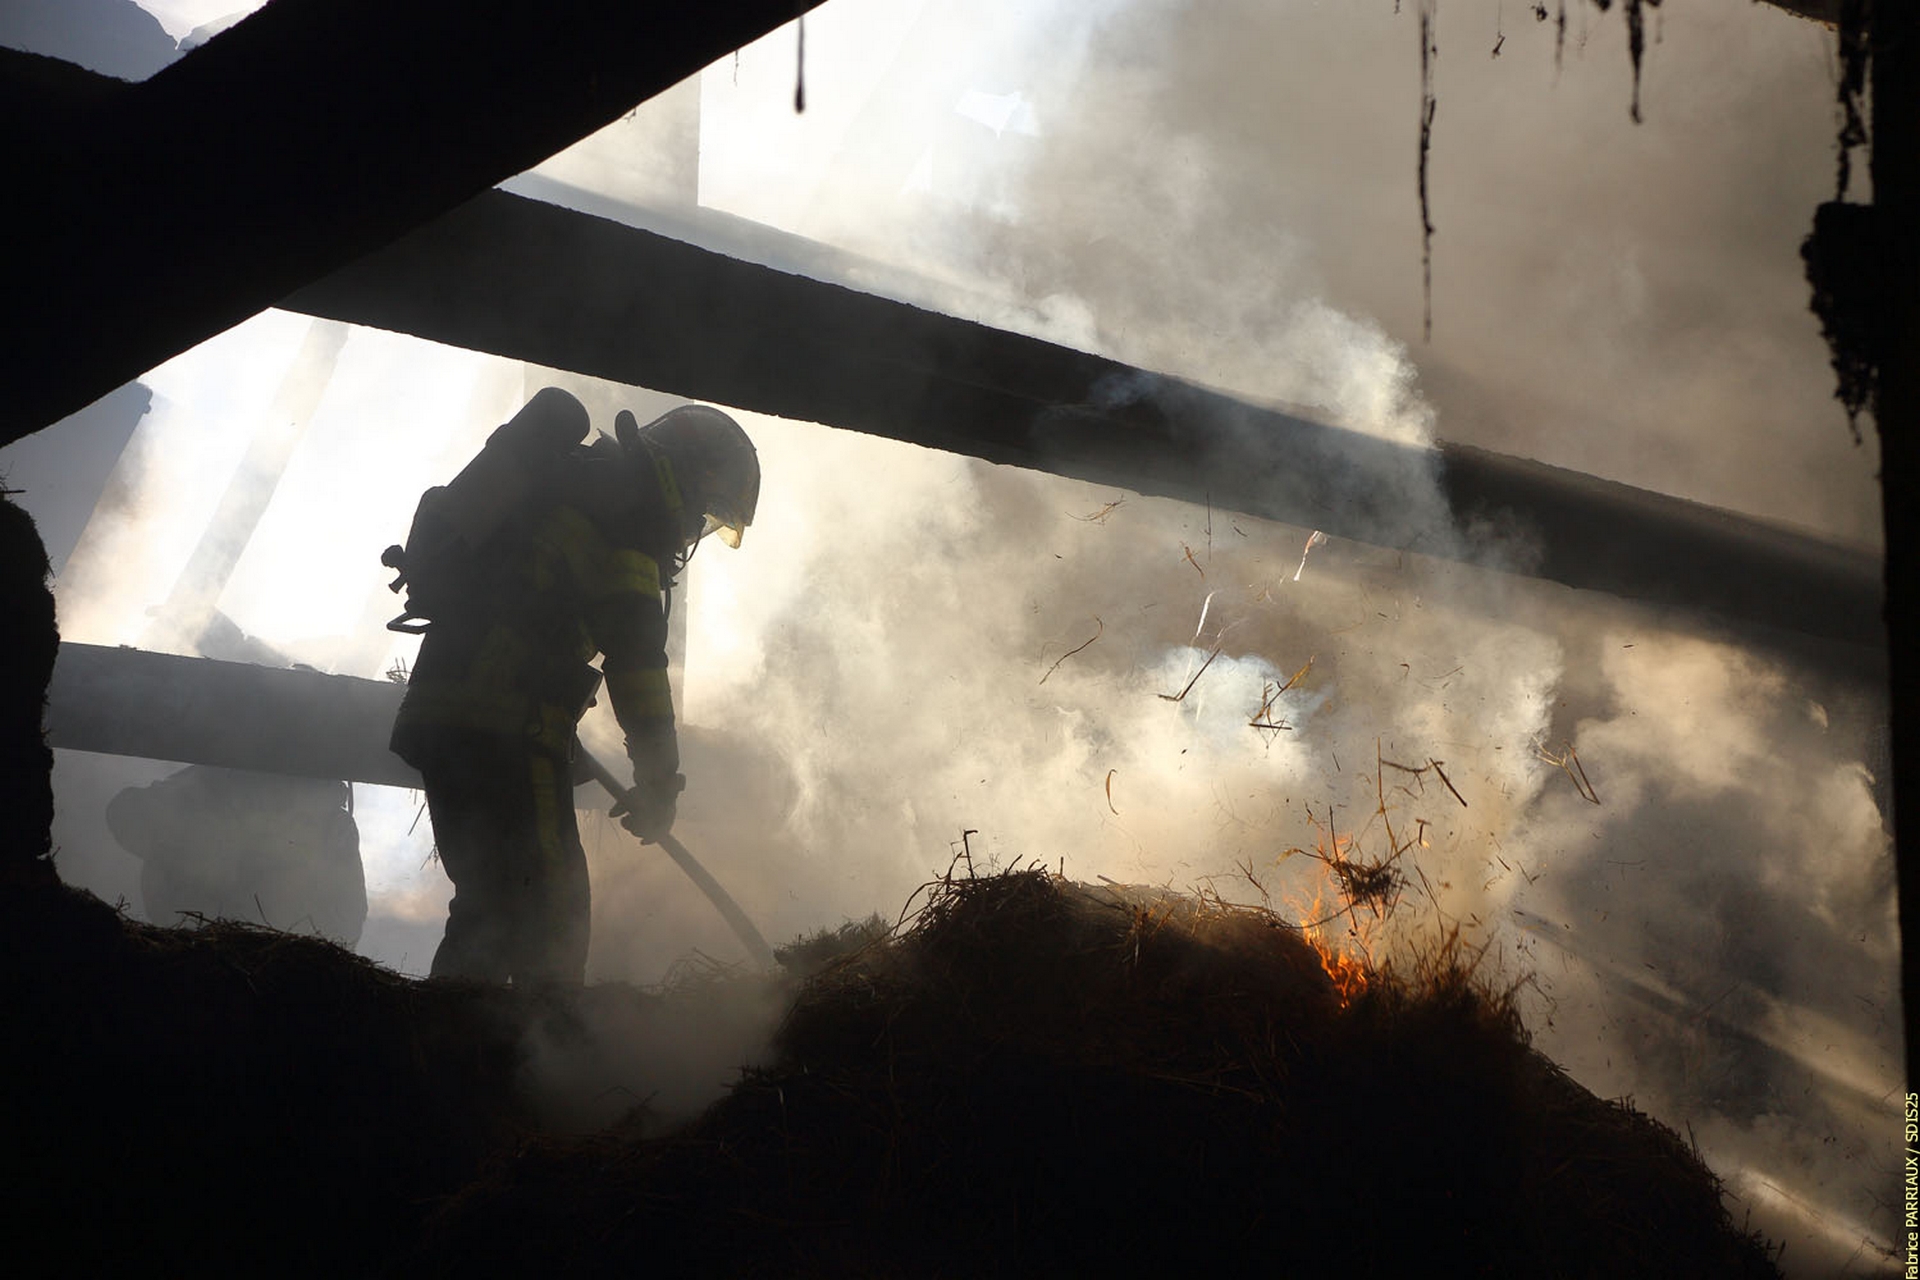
x=1429 y=50
x=1635 y=11
x=1845 y=265
x=1636 y=40
x=1850 y=87
x=1845 y=255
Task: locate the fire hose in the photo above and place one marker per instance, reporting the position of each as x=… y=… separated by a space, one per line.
x=722 y=900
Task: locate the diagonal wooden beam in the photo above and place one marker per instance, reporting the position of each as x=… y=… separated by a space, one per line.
x=532 y=281
x=157 y=214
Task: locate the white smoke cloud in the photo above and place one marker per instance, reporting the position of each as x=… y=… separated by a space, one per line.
x=181 y=17
x=1221 y=258
x=1720 y=929
x=893 y=659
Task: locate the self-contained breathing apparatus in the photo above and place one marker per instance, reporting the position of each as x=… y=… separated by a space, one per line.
x=704 y=465
x=440 y=565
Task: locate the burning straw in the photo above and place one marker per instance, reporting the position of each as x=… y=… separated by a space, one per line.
x=1032 y=1077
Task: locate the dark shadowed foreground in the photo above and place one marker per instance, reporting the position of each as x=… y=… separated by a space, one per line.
x=1029 y=1078
x=1032 y=1078
x=1039 y=1079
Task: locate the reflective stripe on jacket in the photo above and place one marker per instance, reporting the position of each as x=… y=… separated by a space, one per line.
x=558 y=591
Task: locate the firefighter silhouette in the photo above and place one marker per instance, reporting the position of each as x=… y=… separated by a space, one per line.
x=231 y=844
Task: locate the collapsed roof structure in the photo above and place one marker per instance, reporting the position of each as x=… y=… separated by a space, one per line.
x=314 y=197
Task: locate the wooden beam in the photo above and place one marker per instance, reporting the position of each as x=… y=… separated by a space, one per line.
x=164 y=212
x=238 y=715
x=161 y=706
x=532 y=281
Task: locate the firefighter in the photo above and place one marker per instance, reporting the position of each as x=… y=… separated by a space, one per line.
x=246 y=846
x=539 y=556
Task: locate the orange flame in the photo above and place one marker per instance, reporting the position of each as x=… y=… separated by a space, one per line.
x=1348 y=975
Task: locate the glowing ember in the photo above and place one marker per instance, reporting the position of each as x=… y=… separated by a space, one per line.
x=1338 y=877
x=1348 y=975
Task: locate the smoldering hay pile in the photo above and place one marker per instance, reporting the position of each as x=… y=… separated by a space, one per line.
x=1030 y=1077
x=1039 y=1078
x=232 y=1099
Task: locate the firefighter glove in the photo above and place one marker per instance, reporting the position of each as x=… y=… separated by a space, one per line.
x=657 y=784
x=649 y=809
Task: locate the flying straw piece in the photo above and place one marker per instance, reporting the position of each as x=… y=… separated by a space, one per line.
x=1433 y=766
x=1100 y=516
x=1176 y=697
x=1449 y=783
x=1270 y=694
x=1202 y=624
x=1069 y=653
x=1263 y=718
x=1568 y=761
x=1312 y=542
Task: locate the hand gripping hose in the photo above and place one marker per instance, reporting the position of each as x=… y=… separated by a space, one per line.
x=722 y=900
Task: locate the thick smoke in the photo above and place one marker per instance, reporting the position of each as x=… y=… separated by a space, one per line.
x=1229 y=199
x=1699 y=896
x=1673 y=833
x=1193 y=191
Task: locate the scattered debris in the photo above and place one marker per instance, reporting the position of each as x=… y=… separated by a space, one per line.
x=1206 y=606
x=1263 y=718
x=1102 y=629
x=1448 y=782
x=1270 y=694
x=1315 y=540
x=1374 y=885
x=1435 y=766
x=1100 y=516
x=1177 y=697
x=1569 y=761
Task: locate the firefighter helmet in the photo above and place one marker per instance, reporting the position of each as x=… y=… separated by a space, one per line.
x=714 y=464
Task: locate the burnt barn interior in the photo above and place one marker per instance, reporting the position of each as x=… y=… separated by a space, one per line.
x=1203 y=751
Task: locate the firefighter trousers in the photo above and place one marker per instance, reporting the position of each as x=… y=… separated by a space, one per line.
x=503 y=822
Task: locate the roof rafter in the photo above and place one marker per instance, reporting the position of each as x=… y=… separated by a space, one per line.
x=313 y=132
x=531 y=281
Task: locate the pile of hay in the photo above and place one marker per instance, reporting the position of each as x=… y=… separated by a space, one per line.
x=235 y=1100
x=1041 y=1079
x=235 y=1097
